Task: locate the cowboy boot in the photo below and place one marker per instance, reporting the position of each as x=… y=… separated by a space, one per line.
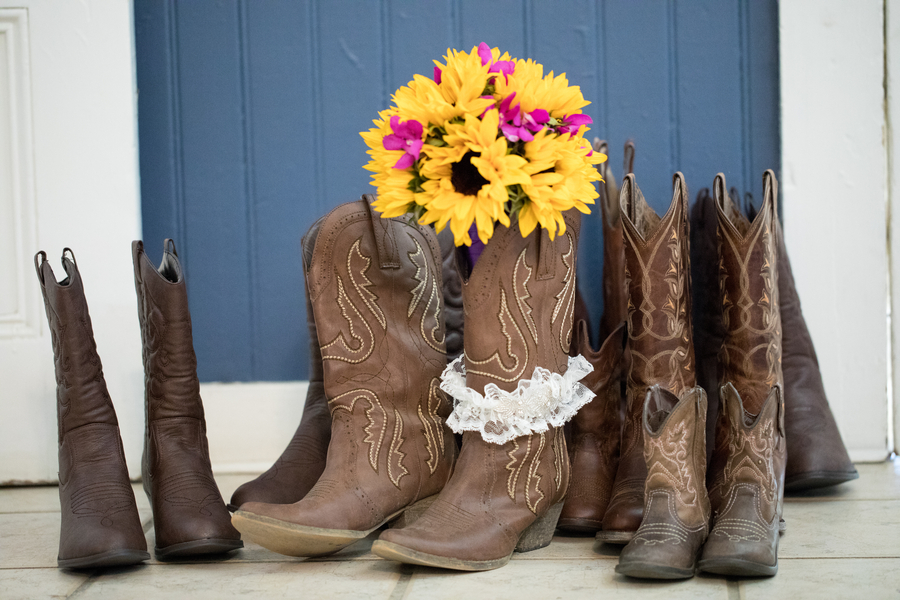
x=746 y=475
x=676 y=506
x=375 y=289
x=595 y=431
x=615 y=292
x=816 y=454
x=511 y=400
x=454 y=316
x=100 y=523
x=303 y=461
x=659 y=336
x=707 y=306
x=189 y=515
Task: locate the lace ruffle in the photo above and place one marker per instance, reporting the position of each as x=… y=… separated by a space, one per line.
x=546 y=400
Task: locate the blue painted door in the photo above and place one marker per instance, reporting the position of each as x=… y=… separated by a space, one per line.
x=250 y=113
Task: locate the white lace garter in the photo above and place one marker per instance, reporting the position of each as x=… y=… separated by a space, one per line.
x=547 y=399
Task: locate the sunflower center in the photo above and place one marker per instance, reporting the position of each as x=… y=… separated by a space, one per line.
x=465 y=176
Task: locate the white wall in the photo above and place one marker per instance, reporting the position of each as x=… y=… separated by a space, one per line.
x=835 y=202
x=68 y=90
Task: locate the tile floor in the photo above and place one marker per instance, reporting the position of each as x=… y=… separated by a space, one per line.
x=840 y=543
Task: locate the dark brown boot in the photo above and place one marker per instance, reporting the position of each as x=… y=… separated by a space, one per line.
x=511 y=400
x=303 y=461
x=707 y=305
x=676 y=506
x=615 y=292
x=454 y=315
x=189 y=515
x=746 y=475
x=660 y=337
x=375 y=289
x=816 y=454
x=100 y=523
x=596 y=431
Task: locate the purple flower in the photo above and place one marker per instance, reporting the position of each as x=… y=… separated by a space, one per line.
x=407 y=136
x=518 y=125
x=571 y=123
x=496 y=66
x=437 y=75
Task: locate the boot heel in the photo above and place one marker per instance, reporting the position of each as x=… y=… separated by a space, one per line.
x=540 y=533
x=412 y=512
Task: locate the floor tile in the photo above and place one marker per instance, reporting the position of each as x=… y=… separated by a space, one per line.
x=877 y=481
x=862 y=528
x=39 y=498
x=308 y=580
x=798 y=579
x=29 y=584
x=548 y=579
x=32 y=539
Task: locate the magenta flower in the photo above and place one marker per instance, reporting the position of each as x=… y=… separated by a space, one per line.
x=518 y=125
x=407 y=136
x=496 y=66
x=437 y=75
x=571 y=123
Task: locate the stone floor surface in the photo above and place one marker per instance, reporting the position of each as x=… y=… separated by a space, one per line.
x=840 y=543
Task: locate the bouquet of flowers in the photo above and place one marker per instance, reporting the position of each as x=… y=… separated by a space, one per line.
x=488 y=137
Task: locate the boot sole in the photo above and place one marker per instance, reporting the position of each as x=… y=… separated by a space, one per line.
x=579 y=525
x=392 y=551
x=291 y=539
x=294 y=540
x=197 y=547
x=615 y=537
x=112 y=558
x=737 y=567
x=817 y=479
x=644 y=570
x=537 y=535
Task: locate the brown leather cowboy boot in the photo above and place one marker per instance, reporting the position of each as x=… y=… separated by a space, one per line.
x=511 y=400
x=615 y=292
x=375 y=289
x=816 y=454
x=660 y=337
x=596 y=431
x=707 y=305
x=746 y=475
x=189 y=515
x=303 y=461
x=676 y=506
x=100 y=523
x=454 y=315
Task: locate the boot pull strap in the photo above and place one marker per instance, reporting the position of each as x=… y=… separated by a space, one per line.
x=719 y=193
x=39 y=259
x=680 y=184
x=628 y=164
x=71 y=257
x=770 y=188
x=137 y=248
x=385 y=236
x=603 y=148
x=169 y=247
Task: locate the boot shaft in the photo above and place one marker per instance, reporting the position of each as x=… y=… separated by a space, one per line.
x=170 y=365
x=81 y=393
x=675 y=451
x=657 y=260
x=521 y=292
x=615 y=291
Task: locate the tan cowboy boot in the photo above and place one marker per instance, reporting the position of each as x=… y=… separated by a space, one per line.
x=595 y=431
x=514 y=388
x=100 y=526
x=676 y=506
x=375 y=289
x=660 y=338
x=746 y=475
x=189 y=515
x=303 y=461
